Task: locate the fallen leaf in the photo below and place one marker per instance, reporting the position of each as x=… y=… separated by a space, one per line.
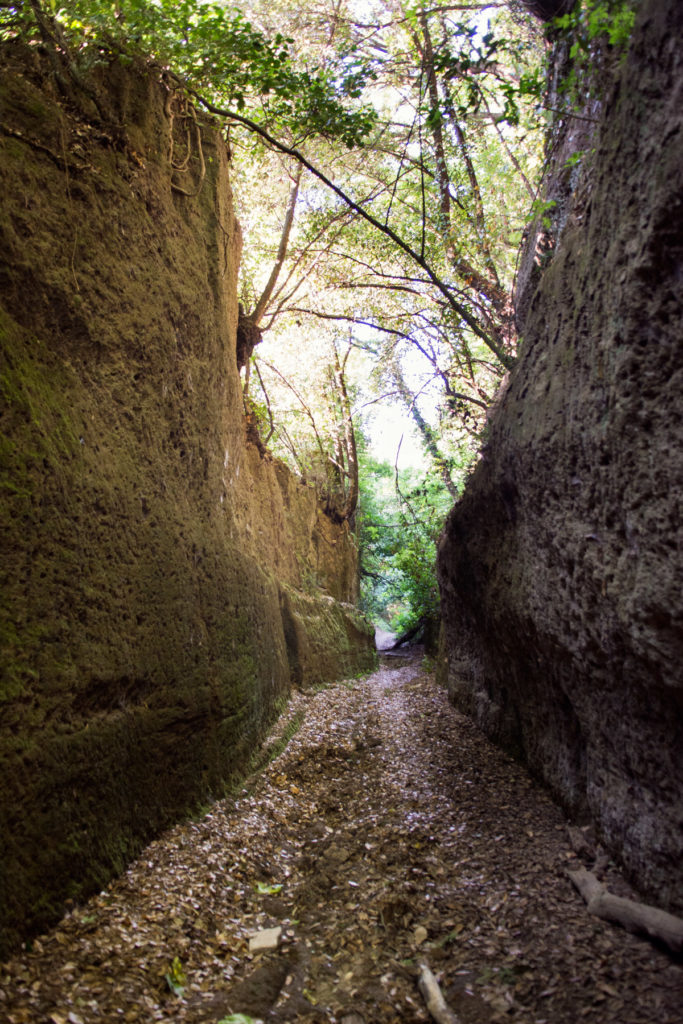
x=268 y=890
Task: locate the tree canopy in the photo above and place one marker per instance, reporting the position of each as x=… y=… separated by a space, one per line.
x=386 y=159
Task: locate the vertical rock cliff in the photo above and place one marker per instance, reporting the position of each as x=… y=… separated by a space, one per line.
x=162 y=582
x=560 y=568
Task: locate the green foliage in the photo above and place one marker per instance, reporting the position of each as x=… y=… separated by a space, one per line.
x=541 y=208
x=217 y=51
x=471 y=58
x=175 y=977
x=575 y=159
x=397 y=536
x=237 y=1018
x=610 y=20
x=424 y=505
x=378 y=530
x=593 y=28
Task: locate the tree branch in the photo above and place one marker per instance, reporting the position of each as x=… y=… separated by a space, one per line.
x=495 y=345
x=303 y=404
x=262 y=303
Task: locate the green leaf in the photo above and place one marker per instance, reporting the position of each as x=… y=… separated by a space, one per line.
x=176 y=989
x=237 y=1018
x=265 y=889
x=176 y=978
x=575 y=158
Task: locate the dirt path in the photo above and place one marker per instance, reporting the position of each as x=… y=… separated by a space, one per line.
x=387 y=830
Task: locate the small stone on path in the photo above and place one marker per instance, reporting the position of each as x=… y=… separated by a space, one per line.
x=265 y=941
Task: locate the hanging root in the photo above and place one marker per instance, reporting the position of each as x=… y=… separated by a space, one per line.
x=202 y=167
x=184 y=163
x=189 y=116
x=634 y=917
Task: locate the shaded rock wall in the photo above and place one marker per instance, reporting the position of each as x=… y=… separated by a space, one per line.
x=560 y=569
x=153 y=563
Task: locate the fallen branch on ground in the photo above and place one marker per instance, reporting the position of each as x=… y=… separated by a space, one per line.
x=634 y=917
x=436 y=1004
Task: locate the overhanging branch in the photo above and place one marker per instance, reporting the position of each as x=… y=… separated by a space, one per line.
x=494 y=345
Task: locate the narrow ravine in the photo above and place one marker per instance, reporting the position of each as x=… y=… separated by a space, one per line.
x=387 y=831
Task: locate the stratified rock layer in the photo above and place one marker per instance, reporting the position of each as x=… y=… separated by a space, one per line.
x=560 y=568
x=162 y=582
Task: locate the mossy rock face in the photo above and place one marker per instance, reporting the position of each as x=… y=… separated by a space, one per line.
x=325 y=639
x=145 y=543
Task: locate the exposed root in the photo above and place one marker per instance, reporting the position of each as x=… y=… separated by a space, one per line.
x=189 y=115
x=59 y=161
x=433 y=997
x=638 y=918
x=61 y=59
x=202 y=168
x=184 y=163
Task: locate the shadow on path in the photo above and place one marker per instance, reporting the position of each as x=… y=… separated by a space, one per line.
x=388 y=830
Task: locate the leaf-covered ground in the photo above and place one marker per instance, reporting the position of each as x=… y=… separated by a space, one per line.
x=387 y=831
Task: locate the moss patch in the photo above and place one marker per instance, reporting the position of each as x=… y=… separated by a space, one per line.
x=144 y=543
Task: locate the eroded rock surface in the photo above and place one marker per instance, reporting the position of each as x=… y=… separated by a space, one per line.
x=561 y=566
x=148 y=549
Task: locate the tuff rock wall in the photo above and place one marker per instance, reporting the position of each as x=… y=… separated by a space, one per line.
x=162 y=582
x=560 y=568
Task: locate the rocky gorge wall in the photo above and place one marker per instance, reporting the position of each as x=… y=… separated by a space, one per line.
x=560 y=568
x=163 y=583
